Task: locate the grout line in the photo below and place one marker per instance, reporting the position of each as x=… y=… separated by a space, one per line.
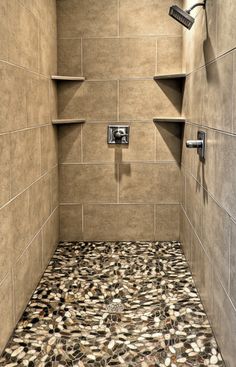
x=210 y=128
x=118 y=18
x=81 y=56
x=25 y=129
x=115 y=203
x=127 y=36
x=124 y=162
x=45 y=76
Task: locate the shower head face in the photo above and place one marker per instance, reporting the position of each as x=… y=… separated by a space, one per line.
x=181 y=16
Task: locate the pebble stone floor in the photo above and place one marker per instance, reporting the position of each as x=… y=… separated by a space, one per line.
x=114 y=304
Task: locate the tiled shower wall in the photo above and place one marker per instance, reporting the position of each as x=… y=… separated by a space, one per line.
x=113 y=193
x=28 y=152
x=209 y=190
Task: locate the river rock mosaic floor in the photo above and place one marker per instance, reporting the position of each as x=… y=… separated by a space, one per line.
x=114 y=304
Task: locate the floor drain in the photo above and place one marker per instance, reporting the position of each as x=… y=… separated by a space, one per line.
x=114 y=307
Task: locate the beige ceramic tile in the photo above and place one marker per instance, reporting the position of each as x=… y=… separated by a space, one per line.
x=149 y=183
x=168 y=141
x=38 y=107
x=4 y=168
x=13 y=113
x=88 y=100
x=145 y=99
x=25 y=159
x=23 y=36
x=194 y=200
x=84 y=183
x=6 y=241
x=216 y=238
x=49 y=147
x=53 y=99
x=169 y=55
x=39 y=203
x=186 y=234
x=19 y=208
x=54 y=184
x=233 y=263
x=71 y=223
x=118 y=222
x=141 y=145
x=76 y=17
x=234 y=92
x=48 y=49
x=6 y=311
x=218 y=85
x=147 y=17
x=69 y=57
x=226 y=32
x=167 y=223
x=69 y=143
x=4 y=30
x=50 y=233
x=27 y=273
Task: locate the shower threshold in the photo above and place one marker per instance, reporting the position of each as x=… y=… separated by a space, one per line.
x=114 y=304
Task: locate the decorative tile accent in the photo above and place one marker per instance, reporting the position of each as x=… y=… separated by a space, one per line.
x=114 y=304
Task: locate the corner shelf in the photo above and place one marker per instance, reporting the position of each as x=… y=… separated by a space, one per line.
x=169 y=119
x=67 y=121
x=68 y=78
x=170 y=76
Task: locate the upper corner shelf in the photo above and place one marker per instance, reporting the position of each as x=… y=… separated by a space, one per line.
x=169 y=76
x=169 y=119
x=64 y=77
x=67 y=121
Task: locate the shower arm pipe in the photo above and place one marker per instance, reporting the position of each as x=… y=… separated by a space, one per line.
x=195 y=5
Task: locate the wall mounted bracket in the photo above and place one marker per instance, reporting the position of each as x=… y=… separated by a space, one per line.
x=199 y=144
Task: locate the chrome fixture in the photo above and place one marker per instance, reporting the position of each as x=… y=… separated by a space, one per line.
x=183 y=16
x=199 y=144
x=118 y=134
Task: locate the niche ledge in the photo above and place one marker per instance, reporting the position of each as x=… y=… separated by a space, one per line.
x=180 y=76
x=169 y=119
x=67 y=121
x=68 y=78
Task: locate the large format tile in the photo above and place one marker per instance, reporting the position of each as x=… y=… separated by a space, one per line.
x=4 y=168
x=4 y=30
x=233 y=263
x=6 y=311
x=84 y=183
x=25 y=159
x=194 y=203
x=77 y=18
x=69 y=143
x=38 y=108
x=147 y=17
x=169 y=55
x=50 y=235
x=226 y=32
x=88 y=100
x=145 y=99
x=69 y=56
x=6 y=241
x=167 y=222
x=71 y=223
x=118 y=222
x=149 y=183
x=49 y=147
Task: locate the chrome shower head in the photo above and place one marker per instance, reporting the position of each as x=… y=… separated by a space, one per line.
x=183 y=16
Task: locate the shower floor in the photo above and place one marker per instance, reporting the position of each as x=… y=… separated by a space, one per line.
x=114 y=304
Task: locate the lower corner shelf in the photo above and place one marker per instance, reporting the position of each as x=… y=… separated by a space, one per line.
x=67 y=121
x=169 y=119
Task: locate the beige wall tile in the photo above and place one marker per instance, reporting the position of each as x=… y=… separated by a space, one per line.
x=233 y=263
x=216 y=238
x=141 y=145
x=4 y=168
x=49 y=147
x=217 y=107
x=186 y=236
x=71 y=223
x=168 y=141
x=76 y=17
x=27 y=272
x=48 y=48
x=23 y=36
x=194 y=202
x=167 y=222
x=149 y=183
x=20 y=223
x=145 y=99
x=69 y=143
x=4 y=30
x=234 y=92
x=226 y=32
x=6 y=311
x=89 y=100
x=193 y=97
x=25 y=159
x=54 y=184
x=50 y=234
x=6 y=241
x=38 y=107
x=118 y=222
x=88 y=183
x=13 y=113
x=39 y=203
x=147 y=17
x=69 y=56
x=169 y=55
